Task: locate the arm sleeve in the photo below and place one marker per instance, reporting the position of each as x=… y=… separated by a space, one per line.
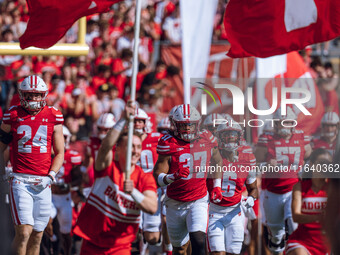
x=164 y=146
x=59 y=118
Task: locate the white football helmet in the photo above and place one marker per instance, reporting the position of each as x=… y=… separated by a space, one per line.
x=184 y=117
x=163 y=125
x=208 y=122
x=227 y=116
x=140 y=114
x=329 y=119
x=67 y=136
x=33 y=84
x=278 y=128
x=104 y=123
x=229 y=136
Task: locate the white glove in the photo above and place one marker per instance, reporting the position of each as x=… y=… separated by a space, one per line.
x=249 y=203
x=40 y=186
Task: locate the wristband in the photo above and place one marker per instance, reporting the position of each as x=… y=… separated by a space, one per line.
x=253 y=197
x=167 y=177
x=52 y=175
x=120 y=125
x=217 y=182
x=137 y=196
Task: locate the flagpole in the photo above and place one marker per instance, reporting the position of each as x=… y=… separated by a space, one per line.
x=133 y=86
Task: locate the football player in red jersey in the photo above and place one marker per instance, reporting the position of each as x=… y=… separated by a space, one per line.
x=226 y=220
x=69 y=176
x=308 y=208
x=32 y=128
x=286 y=149
x=187 y=197
x=109 y=221
x=329 y=132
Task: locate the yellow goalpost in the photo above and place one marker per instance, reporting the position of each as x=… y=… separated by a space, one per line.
x=80 y=48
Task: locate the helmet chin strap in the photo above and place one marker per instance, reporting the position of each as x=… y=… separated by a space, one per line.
x=187 y=137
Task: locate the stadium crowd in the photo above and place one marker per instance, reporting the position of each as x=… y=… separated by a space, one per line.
x=92 y=93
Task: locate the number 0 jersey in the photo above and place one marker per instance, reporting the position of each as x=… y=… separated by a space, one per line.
x=149 y=156
x=32 y=138
x=196 y=156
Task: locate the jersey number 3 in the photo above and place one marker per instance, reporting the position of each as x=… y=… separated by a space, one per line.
x=39 y=139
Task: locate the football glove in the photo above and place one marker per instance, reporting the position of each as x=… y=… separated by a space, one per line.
x=249 y=202
x=216 y=195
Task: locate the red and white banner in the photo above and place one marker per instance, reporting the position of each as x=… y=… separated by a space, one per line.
x=197 y=21
x=49 y=20
x=266 y=28
x=288 y=70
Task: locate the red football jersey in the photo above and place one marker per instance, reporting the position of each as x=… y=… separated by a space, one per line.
x=233 y=181
x=71 y=159
x=116 y=214
x=310 y=234
x=188 y=155
x=320 y=143
x=289 y=154
x=32 y=138
x=149 y=155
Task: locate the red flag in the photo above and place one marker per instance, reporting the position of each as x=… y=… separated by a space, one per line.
x=265 y=28
x=50 y=19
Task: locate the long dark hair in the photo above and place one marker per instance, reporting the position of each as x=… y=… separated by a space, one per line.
x=307 y=175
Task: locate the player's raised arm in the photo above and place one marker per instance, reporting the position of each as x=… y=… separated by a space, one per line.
x=105 y=157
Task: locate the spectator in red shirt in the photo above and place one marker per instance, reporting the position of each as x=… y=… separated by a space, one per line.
x=122 y=70
x=103 y=75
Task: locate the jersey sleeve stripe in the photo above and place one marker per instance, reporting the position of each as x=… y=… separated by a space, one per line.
x=6 y=118
x=161 y=146
x=57 y=119
x=59 y=115
x=164 y=150
x=7 y=114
